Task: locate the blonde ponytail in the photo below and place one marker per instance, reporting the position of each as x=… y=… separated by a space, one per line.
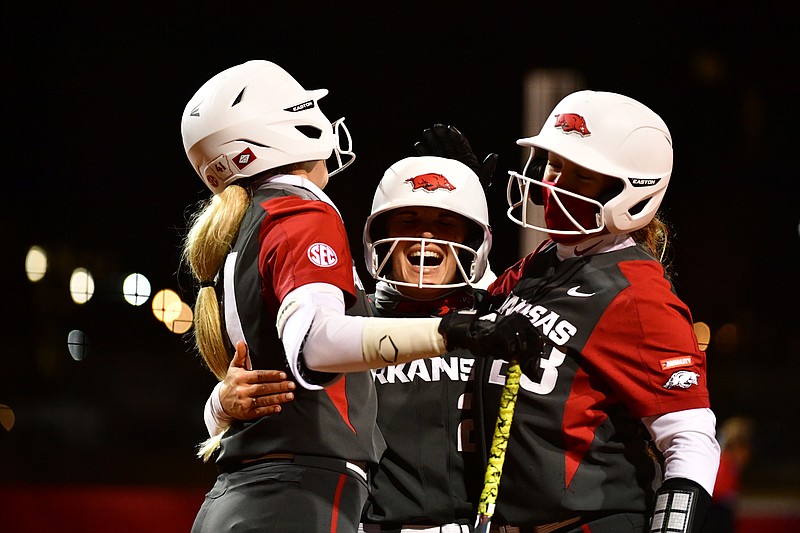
x=212 y=231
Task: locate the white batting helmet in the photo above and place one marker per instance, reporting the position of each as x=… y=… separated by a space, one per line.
x=430 y=181
x=255 y=117
x=611 y=134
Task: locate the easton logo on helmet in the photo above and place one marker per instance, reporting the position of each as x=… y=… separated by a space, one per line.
x=569 y=122
x=244 y=158
x=643 y=182
x=300 y=107
x=430 y=182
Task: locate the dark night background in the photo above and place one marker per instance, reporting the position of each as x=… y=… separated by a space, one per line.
x=95 y=173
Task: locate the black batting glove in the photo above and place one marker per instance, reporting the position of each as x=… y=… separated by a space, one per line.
x=449 y=142
x=510 y=337
x=454 y=327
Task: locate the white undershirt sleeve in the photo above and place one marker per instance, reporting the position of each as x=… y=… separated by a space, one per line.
x=689 y=445
x=214 y=415
x=317 y=335
x=297 y=313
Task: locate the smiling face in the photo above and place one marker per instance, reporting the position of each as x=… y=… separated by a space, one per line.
x=439 y=264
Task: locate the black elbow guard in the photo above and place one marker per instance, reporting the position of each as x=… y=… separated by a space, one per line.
x=680 y=507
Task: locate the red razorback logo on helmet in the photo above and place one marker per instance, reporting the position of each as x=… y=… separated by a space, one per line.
x=430 y=182
x=572 y=122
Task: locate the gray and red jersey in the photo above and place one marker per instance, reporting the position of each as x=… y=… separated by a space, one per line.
x=431 y=473
x=621 y=346
x=289 y=238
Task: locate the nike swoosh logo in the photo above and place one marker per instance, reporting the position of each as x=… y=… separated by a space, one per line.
x=575 y=292
x=581 y=252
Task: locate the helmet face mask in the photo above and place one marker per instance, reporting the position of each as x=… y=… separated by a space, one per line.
x=343 y=147
x=610 y=134
x=381 y=267
x=524 y=190
x=256 y=117
x=429 y=182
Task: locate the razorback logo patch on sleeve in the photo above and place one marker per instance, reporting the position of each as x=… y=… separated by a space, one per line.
x=682 y=379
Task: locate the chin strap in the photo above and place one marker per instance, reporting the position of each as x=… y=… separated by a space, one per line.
x=680 y=507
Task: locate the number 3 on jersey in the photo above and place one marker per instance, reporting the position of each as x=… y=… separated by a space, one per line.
x=545 y=385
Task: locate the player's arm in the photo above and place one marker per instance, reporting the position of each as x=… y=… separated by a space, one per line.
x=245 y=394
x=691 y=458
x=317 y=335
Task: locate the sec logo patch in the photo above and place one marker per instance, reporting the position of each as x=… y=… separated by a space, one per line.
x=322 y=255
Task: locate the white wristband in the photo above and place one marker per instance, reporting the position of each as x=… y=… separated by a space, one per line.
x=214 y=415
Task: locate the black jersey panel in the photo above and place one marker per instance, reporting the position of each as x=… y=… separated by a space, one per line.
x=430 y=472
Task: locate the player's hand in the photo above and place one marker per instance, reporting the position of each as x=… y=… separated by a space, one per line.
x=249 y=394
x=510 y=337
x=449 y=142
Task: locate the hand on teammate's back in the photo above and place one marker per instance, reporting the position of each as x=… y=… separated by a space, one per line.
x=249 y=394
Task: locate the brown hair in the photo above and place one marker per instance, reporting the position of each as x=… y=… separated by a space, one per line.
x=654 y=238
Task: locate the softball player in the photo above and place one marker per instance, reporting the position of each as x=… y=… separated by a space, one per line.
x=274 y=247
x=426 y=241
x=622 y=366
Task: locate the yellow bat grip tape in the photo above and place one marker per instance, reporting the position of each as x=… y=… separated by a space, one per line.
x=497 y=454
